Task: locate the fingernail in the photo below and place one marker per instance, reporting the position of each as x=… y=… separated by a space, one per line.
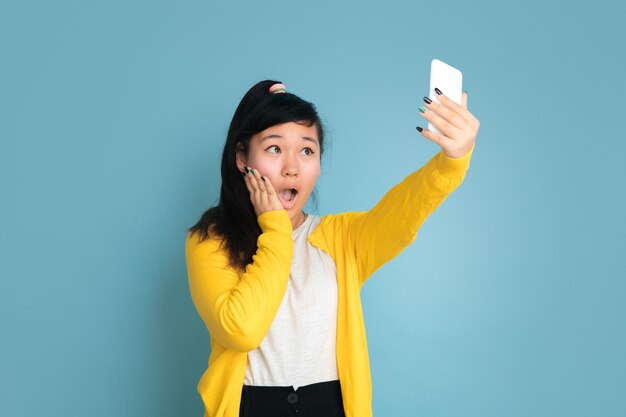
x=247 y=170
x=421 y=109
x=252 y=170
x=465 y=91
x=427 y=100
x=263 y=179
x=438 y=91
x=419 y=129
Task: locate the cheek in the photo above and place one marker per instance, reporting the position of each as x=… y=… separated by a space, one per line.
x=312 y=175
x=269 y=170
x=315 y=170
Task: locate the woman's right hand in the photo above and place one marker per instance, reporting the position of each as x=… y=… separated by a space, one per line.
x=262 y=192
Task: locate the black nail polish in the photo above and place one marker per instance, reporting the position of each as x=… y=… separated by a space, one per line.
x=419 y=129
x=427 y=100
x=247 y=170
x=263 y=179
x=438 y=91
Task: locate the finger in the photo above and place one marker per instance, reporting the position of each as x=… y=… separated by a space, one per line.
x=263 y=197
x=440 y=123
x=273 y=202
x=270 y=198
x=269 y=187
x=259 y=180
x=447 y=114
x=248 y=183
x=454 y=106
x=434 y=137
x=261 y=194
x=472 y=119
x=254 y=195
x=254 y=187
x=254 y=181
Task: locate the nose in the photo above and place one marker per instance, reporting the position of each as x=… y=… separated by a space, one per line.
x=290 y=169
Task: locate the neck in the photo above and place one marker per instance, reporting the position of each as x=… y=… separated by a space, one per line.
x=296 y=223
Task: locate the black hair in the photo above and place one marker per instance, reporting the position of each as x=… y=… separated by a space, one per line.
x=234 y=220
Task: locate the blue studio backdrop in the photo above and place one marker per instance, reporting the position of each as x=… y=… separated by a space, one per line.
x=113 y=118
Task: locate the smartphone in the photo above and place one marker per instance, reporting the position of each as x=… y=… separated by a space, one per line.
x=448 y=80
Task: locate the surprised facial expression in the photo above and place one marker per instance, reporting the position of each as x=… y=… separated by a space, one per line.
x=288 y=155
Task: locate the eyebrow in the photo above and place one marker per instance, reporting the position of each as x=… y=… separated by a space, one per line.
x=280 y=137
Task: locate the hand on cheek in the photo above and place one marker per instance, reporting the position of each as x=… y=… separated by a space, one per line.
x=262 y=193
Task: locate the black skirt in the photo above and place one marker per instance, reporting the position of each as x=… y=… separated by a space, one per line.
x=322 y=399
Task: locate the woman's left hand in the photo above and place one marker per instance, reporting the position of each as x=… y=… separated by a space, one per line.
x=459 y=127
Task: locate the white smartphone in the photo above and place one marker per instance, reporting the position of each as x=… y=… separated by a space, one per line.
x=448 y=80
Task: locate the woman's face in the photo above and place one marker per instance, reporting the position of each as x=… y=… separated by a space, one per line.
x=289 y=155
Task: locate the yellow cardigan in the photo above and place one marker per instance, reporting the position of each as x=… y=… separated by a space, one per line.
x=238 y=306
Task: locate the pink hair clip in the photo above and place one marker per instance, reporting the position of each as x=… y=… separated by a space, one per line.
x=278 y=88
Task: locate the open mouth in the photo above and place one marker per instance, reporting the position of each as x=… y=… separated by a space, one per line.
x=288 y=197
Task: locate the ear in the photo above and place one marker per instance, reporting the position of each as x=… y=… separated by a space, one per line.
x=240 y=157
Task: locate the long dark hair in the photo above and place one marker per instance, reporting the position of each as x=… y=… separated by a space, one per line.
x=233 y=220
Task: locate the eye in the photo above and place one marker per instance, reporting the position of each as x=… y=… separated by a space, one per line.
x=273 y=146
x=310 y=151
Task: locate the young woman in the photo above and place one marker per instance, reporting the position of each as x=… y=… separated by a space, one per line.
x=278 y=288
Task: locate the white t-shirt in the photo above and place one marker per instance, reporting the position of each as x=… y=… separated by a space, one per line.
x=299 y=348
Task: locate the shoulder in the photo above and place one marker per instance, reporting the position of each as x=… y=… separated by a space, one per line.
x=195 y=245
x=334 y=228
x=339 y=221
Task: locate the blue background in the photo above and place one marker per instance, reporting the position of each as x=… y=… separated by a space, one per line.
x=114 y=114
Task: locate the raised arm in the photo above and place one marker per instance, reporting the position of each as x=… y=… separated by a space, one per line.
x=380 y=234
x=238 y=308
x=383 y=232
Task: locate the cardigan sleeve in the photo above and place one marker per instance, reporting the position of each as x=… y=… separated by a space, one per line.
x=380 y=234
x=238 y=307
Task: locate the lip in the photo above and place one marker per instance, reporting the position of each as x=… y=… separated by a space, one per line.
x=288 y=204
x=289 y=185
